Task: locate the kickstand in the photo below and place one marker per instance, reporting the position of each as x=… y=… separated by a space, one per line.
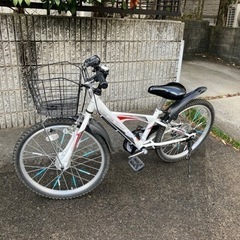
x=188 y=157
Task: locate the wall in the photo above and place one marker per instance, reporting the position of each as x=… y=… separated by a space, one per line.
x=225 y=43
x=190 y=8
x=221 y=42
x=138 y=52
x=196 y=36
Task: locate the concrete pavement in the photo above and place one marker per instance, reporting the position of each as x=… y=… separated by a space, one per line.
x=222 y=81
x=158 y=203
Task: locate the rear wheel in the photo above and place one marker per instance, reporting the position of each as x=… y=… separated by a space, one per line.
x=198 y=117
x=36 y=156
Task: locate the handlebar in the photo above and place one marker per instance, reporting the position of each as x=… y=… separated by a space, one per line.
x=102 y=80
x=93 y=61
x=101 y=71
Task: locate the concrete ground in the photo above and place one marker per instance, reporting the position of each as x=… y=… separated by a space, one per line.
x=160 y=202
x=222 y=81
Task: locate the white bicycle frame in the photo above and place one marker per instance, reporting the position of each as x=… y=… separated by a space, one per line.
x=117 y=119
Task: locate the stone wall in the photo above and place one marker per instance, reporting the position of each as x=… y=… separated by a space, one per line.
x=138 y=52
x=221 y=42
x=225 y=43
x=196 y=36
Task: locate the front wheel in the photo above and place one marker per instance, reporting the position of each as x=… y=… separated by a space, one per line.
x=36 y=160
x=198 y=117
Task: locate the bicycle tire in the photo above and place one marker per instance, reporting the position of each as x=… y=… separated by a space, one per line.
x=197 y=116
x=35 y=160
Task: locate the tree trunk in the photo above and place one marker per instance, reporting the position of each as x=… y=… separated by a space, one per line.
x=222 y=12
x=20 y=10
x=183 y=5
x=200 y=9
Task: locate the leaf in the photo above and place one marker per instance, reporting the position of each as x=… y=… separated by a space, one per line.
x=124 y=5
x=73 y=10
x=27 y=2
x=15 y=2
x=57 y=2
x=65 y=7
x=46 y=5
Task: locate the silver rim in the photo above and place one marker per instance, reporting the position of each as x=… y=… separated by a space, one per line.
x=37 y=163
x=198 y=119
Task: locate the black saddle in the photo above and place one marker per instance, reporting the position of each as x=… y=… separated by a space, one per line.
x=172 y=90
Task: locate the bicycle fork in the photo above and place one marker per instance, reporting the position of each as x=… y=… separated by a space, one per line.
x=63 y=158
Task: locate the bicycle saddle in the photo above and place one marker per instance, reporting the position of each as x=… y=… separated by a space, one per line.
x=172 y=90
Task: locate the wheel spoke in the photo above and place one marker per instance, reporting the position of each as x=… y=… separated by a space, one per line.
x=197 y=117
x=40 y=172
x=35 y=153
x=57 y=182
x=79 y=176
x=37 y=156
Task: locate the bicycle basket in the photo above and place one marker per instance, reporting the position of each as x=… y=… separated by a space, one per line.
x=55 y=89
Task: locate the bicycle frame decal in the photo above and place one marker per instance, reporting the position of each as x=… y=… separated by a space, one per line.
x=77 y=140
x=117 y=119
x=123 y=118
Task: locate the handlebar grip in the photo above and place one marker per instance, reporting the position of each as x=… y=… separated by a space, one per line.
x=102 y=81
x=92 y=61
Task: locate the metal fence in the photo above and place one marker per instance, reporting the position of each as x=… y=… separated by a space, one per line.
x=154 y=8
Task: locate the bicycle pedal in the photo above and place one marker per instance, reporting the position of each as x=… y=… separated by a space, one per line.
x=136 y=163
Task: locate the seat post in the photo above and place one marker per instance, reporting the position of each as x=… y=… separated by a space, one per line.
x=160 y=105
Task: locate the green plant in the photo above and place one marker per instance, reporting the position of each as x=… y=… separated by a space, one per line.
x=62 y=5
x=19 y=2
x=219 y=134
x=216 y=132
x=70 y=5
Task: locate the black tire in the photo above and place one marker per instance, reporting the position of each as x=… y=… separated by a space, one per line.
x=36 y=157
x=197 y=116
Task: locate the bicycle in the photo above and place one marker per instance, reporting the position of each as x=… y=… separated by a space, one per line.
x=67 y=155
